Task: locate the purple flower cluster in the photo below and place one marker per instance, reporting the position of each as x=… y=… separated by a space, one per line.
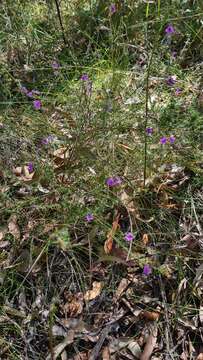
x=113 y=181
x=32 y=94
x=164 y=140
x=112 y=9
x=147 y=270
x=47 y=140
x=129 y=237
x=88 y=84
x=29 y=93
x=149 y=130
x=89 y=217
x=171 y=80
x=84 y=77
x=169 y=30
x=55 y=65
x=30 y=167
x=178 y=91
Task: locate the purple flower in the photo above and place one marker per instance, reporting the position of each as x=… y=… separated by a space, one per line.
x=163 y=140
x=174 y=55
x=113 y=181
x=172 y=139
x=178 y=91
x=24 y=90
x=47 y=140
x=112 y=9
x=149 y=130
x=37 y=104
x=84 y=77
x=171 y=80
x=89 y=217
x=30 y=94
x=30 y=167
x=55 y=65
x=129 y=236
x=147 y=270
x=169 y=30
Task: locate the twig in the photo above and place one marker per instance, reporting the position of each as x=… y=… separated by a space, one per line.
x=60 y=20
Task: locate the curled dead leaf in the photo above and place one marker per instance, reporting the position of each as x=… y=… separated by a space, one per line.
x=200 y=356
x=151 y=315
x=13 y=227
x=23 y=173
x=201 y=314
x=106 y=354
x=127 y=202
x=108 y=245
x=145 y=239
x=62 y=153
x=3 y=232
x=96 y=290
x=74 y=305
x=121 y=288
x=150 y=344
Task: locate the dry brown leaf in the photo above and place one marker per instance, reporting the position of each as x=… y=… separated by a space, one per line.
x=17 y=171
x=150 y=344
x=64 y=355
x=3 y=232
x=96 y=290
x=106 y=354
x=23 y=173
x=74 y=305
x=108 y=245
x=201 y=314
x=13 y=227
x=81 y=356
x=121 y=288
x=151 y=315
x=200 y=356
x=127 y=202
x=134 y=348
x=4 y=244
x=61 y=153
x=145 y=239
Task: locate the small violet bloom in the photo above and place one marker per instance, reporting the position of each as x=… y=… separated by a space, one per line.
x=55 y=65
x=174 y=55
x=163 y=140
x=112 y=9
x=84 y=77
x=30 y=94
x=89 y=217
x=172 y=139
x=169 y=30
x=30 y=167
x=147 y=270
x=24 y=90
x=37 y=104
x=113 y=181
x=171 y=80
x=47 y=140
x=129 y=236
x=149 y=130
x=178 y=91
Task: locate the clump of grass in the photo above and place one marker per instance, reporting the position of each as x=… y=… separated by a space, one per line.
x=90 y=145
